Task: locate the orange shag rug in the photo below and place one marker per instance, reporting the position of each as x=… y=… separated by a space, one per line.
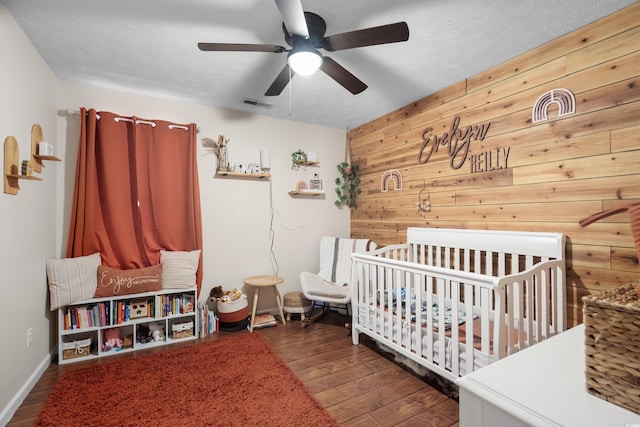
x=232 y=381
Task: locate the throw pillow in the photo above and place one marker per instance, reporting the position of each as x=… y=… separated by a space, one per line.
x=179 y=268
x=72 y=279
x=113 y=281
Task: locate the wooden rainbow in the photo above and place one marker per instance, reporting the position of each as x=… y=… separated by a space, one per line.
x=564 y=98
x=391 y=175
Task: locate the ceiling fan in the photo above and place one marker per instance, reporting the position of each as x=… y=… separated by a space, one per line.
x=304 y=32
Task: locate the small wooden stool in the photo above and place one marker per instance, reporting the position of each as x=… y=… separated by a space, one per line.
x=295 y=302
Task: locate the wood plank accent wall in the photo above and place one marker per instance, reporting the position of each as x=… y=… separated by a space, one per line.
x=558 y=171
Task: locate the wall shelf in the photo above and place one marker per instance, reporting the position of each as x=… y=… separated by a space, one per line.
x=41 y=157
x=11 y=168
x=12 y=163
x=307 y=194
x=36 y=159
x=246 y=176
x=308 y=163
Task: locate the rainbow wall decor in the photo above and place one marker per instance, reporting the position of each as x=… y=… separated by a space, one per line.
x=564 y=98
x=391 y=175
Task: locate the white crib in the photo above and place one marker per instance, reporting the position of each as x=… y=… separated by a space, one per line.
x=455 y=300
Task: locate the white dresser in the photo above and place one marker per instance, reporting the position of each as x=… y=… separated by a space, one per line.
x=543 y=385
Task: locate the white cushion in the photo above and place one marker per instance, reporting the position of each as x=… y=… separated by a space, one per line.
x=72 y=279
x=179 y=268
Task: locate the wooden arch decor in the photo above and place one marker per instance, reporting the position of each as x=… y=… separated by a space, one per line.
x=564 y=98
x=391 y=175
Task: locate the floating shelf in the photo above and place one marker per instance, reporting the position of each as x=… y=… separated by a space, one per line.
x=36 y=159
x=246 y=176
x=307 y=193
x=11 y=168
x=308 y=163
x=41 y=157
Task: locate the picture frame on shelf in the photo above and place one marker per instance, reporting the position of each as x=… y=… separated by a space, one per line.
x=315 y=184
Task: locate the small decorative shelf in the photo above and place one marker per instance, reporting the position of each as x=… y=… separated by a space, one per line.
x=308 y=163
x=41 y=157
x=306 y=194
x=36 y=159
x=237 y=175
x=11 y=168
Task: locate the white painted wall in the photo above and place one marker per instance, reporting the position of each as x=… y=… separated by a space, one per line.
x=28 y=95
x=239 y=217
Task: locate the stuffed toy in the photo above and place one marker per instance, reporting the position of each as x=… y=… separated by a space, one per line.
x=127 y=342
x=111 y=339
x=156 y=332
x=231 y=295
x=216 y=292
x=142 y=334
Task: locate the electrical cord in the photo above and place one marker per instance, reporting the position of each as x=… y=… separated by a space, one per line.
x=273 y=211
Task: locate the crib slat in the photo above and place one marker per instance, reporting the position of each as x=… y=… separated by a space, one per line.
x=469 y=332
x=537 y=309
x=511 y=322
x=442 y=344
x=429 y=291
x=545 y=300
x=499 y=346
x=521 y=327
x=529 y=313
x=455 y=338
x=555 y=309
x=419 y=284
x=485 y=317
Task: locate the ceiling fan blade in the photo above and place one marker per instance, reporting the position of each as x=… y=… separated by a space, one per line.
x=240 y=47
x=340 y=74
x=293 y=17
x=281 y=81
x=390 y=33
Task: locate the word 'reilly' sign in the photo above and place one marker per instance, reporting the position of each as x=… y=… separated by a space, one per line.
x=458 y=142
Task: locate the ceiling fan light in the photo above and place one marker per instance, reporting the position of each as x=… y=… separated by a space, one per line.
x=305 y=62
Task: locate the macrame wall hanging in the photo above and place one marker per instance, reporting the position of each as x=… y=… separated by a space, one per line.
x=423 y=205
x=391 y=176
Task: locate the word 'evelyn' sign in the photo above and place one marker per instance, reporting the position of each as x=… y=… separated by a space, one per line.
x=458 y=143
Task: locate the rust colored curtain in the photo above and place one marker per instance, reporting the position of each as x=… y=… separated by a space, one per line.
x=136 y=190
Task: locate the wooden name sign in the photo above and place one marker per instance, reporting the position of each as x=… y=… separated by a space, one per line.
x=458 y=142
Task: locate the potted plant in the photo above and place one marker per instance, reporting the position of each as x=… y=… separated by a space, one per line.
x=347 y=185
x=298 y=159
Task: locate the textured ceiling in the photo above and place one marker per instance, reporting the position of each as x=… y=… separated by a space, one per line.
x=150 y=46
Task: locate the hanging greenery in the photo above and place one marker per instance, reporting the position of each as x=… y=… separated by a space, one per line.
x=347 y=185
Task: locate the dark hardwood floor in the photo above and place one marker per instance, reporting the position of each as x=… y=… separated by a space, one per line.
x=357 y=385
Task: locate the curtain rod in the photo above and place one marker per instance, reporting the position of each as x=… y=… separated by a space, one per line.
x=71 y=111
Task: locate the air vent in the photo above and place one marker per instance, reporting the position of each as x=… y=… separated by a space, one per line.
x=256 y=103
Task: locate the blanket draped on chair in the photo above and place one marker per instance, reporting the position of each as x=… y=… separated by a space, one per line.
x=335 y=257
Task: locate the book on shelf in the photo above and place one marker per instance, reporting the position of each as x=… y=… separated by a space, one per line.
x=187 y=303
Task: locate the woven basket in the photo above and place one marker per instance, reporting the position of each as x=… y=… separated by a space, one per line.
x=182 y=330
x=612 y=346
x=634 y=220
x=73 y=349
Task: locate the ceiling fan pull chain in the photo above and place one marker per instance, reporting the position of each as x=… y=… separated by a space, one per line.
x=290 y=91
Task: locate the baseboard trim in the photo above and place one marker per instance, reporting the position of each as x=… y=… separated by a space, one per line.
x=13 y=405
